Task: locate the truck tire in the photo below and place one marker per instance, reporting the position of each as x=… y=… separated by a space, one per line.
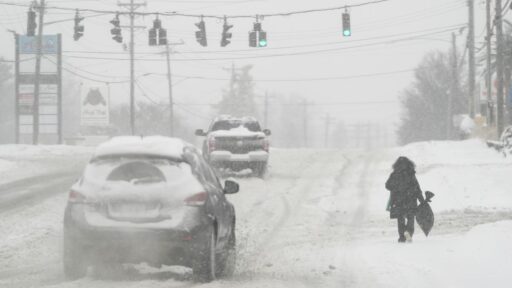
x=260 y=169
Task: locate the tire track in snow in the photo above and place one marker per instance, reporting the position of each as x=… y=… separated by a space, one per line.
x=34 y=190
x=293 y=200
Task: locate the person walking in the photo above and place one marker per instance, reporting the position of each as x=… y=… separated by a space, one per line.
x=405 y=192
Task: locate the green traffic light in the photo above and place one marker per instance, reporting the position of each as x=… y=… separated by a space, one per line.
x=263 y=43
x=347 y=33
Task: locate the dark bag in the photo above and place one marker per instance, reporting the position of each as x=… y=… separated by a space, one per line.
x=425 y=215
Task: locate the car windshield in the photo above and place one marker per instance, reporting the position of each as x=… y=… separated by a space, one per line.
x=252 y=126
x=135 y=170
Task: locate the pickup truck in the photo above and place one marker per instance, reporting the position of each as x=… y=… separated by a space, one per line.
x=236 y=143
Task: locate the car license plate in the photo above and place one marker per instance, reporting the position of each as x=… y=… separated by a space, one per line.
x=133 y=210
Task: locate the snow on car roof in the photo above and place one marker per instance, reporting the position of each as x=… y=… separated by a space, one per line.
x=233 y=118
x=140 y=145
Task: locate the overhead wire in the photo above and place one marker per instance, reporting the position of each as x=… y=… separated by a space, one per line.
x=221 y=17
x=436 y=30
x=391 y=41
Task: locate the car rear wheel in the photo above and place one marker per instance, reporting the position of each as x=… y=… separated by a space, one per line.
x=228 y=265
x=205 y=268
x=75 y=265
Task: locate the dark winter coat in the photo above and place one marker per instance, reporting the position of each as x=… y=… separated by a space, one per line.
x=405 y=192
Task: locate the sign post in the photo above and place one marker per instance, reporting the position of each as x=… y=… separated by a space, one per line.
x=50 y=90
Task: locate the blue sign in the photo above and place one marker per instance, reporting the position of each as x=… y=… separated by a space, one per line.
x=28 y=44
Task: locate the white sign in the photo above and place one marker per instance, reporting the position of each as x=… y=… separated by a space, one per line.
x=95 y=107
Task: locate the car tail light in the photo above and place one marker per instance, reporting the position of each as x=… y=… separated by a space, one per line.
x=266 y=145
x=211 y=144
x=197 y=199
x=76 y=197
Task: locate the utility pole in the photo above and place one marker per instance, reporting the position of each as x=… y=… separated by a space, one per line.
x=305 y=121
x=265 y=117
x=132 y=7
x=455 y=84
x=17 y=88
x=328 y=119
x=499 y=67
x=37 y=80
x=490 y=112
x=169 y=82
x=132 y=68
x=471 y=60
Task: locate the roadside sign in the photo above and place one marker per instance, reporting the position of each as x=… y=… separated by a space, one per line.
x=50 y=126
x=95 y=107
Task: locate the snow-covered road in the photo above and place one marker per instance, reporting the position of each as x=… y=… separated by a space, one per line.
x=317 y=220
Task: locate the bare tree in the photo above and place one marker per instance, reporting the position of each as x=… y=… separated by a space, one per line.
x=426 y=100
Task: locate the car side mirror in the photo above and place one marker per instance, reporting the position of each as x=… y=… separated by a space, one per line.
x=200 y=132
x=231 y=187
x=267 y=132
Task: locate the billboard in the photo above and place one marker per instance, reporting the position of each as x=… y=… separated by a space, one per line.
x=94 y=106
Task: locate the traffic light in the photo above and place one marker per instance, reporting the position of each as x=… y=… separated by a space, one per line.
x=116 y=31
x=257 y=37
x=79 y=29
x=157 y=35
x=201 y=34
x=162 y=37
x=226 y=36
x=253 y=39
x=262 y=42
x=346 y=24
x=152 y=37
x=31 y=23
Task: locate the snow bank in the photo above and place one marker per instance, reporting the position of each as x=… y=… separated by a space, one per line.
x=41 y=151
x=479 y=258
x=463 y=174
x=22 y=161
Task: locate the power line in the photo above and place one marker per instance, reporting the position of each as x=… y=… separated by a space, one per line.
x=413 y=33
x=227 y=79
x=174 y=13
x=308 y=104
x=306 y=79
x=392 y=41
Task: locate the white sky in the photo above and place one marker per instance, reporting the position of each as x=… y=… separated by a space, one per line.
x=318 y=31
